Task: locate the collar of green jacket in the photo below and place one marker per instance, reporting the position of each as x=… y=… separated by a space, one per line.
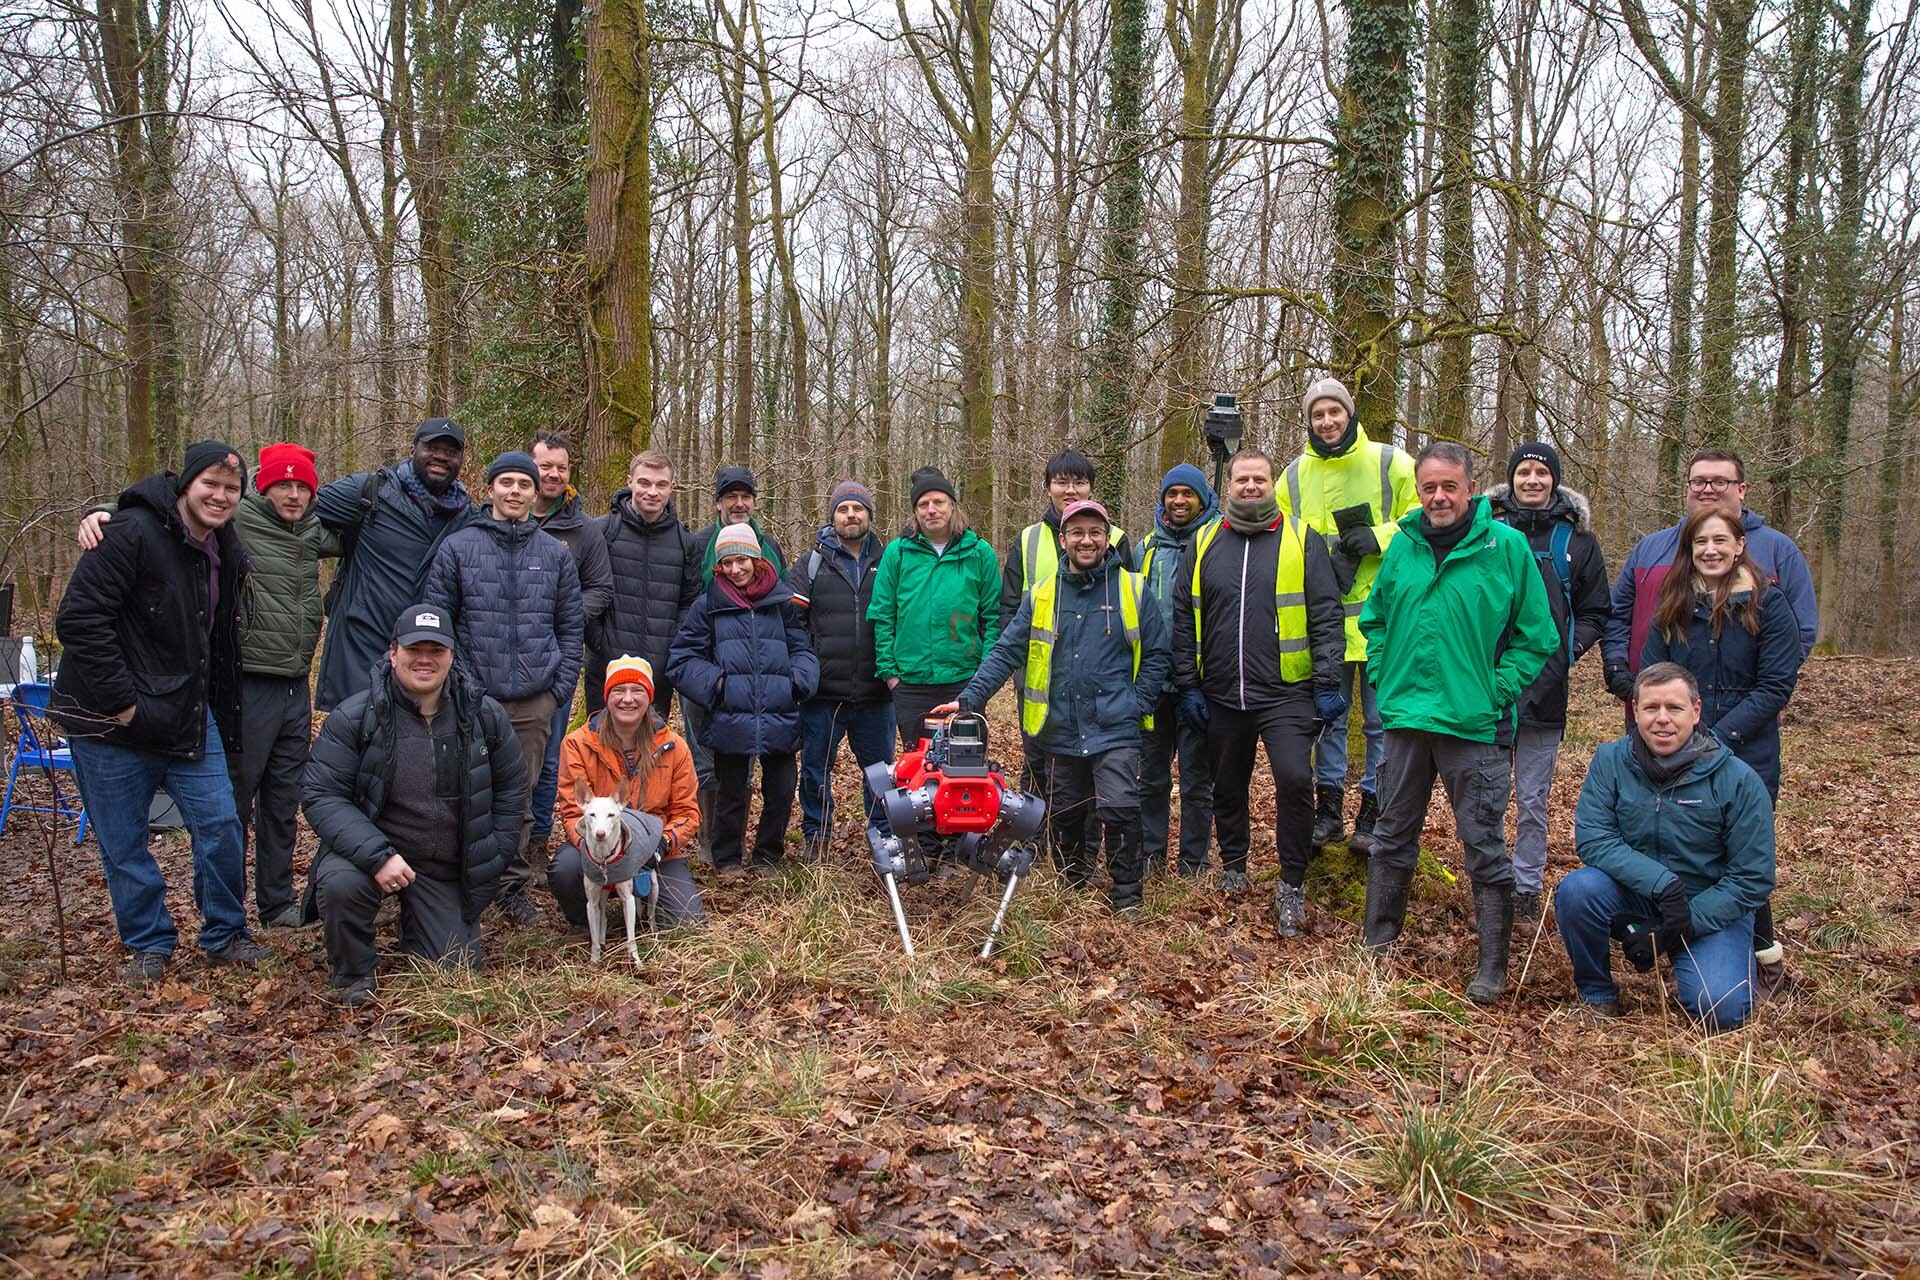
x=1479 y=528
x=917 y=542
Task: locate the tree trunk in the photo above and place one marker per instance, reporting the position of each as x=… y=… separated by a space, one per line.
x=1677 y=411
x=1186 y=402
x=979 y=263
x=733 y=80
x=1123 y=195
x=1894 y=578
x=1461 y=64
x=1718 y=337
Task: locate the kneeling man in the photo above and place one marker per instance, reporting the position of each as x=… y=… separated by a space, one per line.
x=1677 y=838
x=415 y=786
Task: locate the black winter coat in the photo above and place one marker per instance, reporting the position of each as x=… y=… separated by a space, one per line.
x=587 y=544
x=385 y=571
x=837 y=621
x=134 y=629
x=751 y=669
x=1247 y=675
x=350 y=769
x=1745 y=679
x=514 y=596
x=1544 y=704
x=656 y=576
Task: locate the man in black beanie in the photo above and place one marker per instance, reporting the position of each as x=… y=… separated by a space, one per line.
x=149 y=693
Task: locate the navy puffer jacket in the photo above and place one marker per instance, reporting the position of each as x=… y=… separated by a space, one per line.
x=1745 y=679
x=752 y=668
x=514 y=595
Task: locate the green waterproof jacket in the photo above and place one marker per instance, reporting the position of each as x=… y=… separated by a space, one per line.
x=934 y=615
x=1451 y=647
x=280 y=605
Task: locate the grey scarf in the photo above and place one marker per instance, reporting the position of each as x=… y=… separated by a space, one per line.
x=1252 y=517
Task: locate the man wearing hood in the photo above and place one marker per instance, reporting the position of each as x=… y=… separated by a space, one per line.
x=833 y=585
x=1187 y=505
x=149 y=693
x=1559 y=528
x=1353 y=492
x=1257 y=654
x=557 y=510
x=1676 y=835
x=391 y=522
x=512 y=595
x=1093 y=659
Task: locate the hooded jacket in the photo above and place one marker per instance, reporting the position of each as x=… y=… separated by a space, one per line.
x=1013 y=575
x=137 y=631
x=1745 y=679
x=1095 y=702
x=587 y=544
x=514 y=595
x=1636 y=592
x=350 y=771
x=281 y=609
x=383 y=573
x=1164 y=548
x=1712 y=828
x=671 y=793
x=935 y=616
x=751 y=669
x=1544 y=704
x=1451 y=647
x=835 y=589
x=1359 y=473
x=656 y=576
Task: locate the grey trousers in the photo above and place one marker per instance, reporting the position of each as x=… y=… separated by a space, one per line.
x=532 y=721
x=276 y=722
x=1478 y=777
x=1535 y=752
x=679 y=902
x=432 y=924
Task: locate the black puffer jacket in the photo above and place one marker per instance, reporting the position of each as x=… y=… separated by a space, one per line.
x=587 y=544
x=133 y=624
x=656 y=575
x=351 y=768
x=837 y=618
x=514 y=595
x=1544 y=704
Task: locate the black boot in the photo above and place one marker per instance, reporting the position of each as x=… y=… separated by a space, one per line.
x=1123 y=865
x=1075 y=862
x=1493 y=911
x=1362 y=842
x=1386 y=911
x=703 y=849
x=1328 y=821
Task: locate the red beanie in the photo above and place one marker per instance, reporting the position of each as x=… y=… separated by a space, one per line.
x=286 y=462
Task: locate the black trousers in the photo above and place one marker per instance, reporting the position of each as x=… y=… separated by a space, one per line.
x=1093 y=796
x=276 y=725
x=911 y=702
x=433 y=925
x=1288 y=730
x=779 y=779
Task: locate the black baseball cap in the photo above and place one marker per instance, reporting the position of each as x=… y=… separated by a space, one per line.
x=440 y=429
x=422 y=624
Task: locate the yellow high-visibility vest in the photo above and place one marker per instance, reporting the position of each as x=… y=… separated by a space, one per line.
x=1040 y=551
x=1289 y=599
x=1039 y=675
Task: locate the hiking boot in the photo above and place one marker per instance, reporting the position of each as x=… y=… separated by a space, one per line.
x=1770 y=977
x=357 y=992
x=703 y=848
x=284 y=918
x=1123 y=864
x=144 y=968
x=1602 y=1010
x=1526 y=907
x=1386 y=910
x=518 y=908
x=1233 y=881
x=1290 y=909
x=243 y=951
x=1190 y=870
x=1362 y=842
x=1328 y=820
x=1493 y=912
x=731 y=872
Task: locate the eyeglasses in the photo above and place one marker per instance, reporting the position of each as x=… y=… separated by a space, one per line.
x=1718 y=484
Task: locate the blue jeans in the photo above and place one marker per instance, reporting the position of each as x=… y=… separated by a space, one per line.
x=1714 y=973
x=868 y=729
x=1330 y=748
x=118 y=784
x=548 y=785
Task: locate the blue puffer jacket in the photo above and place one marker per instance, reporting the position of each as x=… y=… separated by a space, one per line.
x=1712 y=827
x=1094 y=701
x=752 y=668
x=514 y=595
x=1745 y=679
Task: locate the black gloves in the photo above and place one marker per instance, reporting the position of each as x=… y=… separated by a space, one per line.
x=1636 y=944
x=1193 y=709
x=1620 y=682
x=1673 y=916
x=1358 y=541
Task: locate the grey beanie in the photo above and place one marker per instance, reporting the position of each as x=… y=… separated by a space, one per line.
x=1327 y=389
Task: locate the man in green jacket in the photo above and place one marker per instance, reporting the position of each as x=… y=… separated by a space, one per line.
x=1457 y=626
x=935 y=607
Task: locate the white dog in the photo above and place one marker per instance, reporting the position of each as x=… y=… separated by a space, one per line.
x=618 y=843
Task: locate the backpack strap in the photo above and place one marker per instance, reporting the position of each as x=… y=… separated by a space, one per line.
x=350 y=537
x=1556 y=555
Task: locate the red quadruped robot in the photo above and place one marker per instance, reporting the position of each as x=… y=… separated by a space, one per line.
x=950 y=791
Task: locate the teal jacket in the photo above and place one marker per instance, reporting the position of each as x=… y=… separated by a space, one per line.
x=1712 y=828
x=1451 y=647
x=934 y=616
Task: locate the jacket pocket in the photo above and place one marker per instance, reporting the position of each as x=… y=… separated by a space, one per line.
x=160 y=705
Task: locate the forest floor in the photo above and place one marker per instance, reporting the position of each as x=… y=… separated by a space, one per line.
x=785 y=1095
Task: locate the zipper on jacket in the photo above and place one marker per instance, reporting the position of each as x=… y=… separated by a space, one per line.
x=1246 y=545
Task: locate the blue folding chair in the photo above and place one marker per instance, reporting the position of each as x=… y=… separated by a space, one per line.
x=40 y=747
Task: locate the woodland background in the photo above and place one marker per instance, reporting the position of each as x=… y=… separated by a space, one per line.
x=838 y=237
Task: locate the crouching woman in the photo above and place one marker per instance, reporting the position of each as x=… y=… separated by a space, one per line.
x=625 y=749
x=1677 y=837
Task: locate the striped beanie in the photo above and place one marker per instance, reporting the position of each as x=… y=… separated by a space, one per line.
x=627 y=669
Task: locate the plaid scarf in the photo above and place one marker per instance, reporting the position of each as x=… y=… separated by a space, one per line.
x=454 y=499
